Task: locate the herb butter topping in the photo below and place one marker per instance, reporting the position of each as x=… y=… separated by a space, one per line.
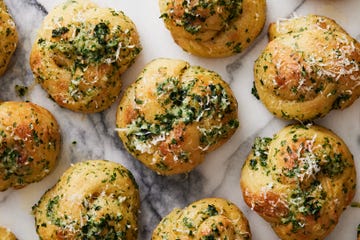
x=213 y=28
x=305 y=178
x=93 y=199
x=79 y=59
x=310 y=66
x=179 y=118
x=8 y=37
x=201 y=16
x=29 y=144
x=210 y=218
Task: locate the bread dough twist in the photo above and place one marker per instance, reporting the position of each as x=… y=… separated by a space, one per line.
x=309 y=67
x=8 y=37
x=174 y=114
x=80 y=52
x=30 y=143
x=209 y=218
x=213 y=28
x=300 y=181
x=93 y=199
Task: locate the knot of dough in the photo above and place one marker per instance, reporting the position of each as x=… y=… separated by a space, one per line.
x=174 y=114
x=8 y=37
x=80 y=52
x=94 y=198
x=309 y=67
x=213 y=28
x=300 y=181
x=210 y=218
x=206 y=18
x=30 y=144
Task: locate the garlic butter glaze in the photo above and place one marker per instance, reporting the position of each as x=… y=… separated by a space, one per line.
x=80 y=52
x=300 y=181
x=309 y=67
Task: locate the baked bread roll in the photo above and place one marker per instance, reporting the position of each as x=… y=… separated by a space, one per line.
x=8 y=37
x=174 y=114
x=29 y=144
x=209 y=218
x=94 y=199
x=309 y=67
x=213 y=28
x=80 y=52
x=300 y=181
x=5 y=234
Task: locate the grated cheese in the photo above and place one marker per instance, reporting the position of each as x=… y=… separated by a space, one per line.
x=306 y=156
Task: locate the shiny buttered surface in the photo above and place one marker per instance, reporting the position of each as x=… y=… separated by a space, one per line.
x=174 y=114
x=213 y=28
x=310 y=66
x=8 y=37
x=29 y=144
x=5 y=234
x=94 y=199
x=300 y=181
x=209 y=218
x=80 y=52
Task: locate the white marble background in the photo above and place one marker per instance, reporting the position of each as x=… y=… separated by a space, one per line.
x=219 y=175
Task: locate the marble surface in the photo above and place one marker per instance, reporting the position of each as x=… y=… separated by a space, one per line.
x=219 y=175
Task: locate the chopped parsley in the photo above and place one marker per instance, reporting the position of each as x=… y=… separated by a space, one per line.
x=341 y=100
x=188 y=222
x=21 y=91
x=193 y=17
x=211 y=210
x=335 y=165
x=90 y=45
x=307 y=202
x=9 y=162
x=182 y=105
x=260 y=150
x=57 y=32
x=254 y=92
